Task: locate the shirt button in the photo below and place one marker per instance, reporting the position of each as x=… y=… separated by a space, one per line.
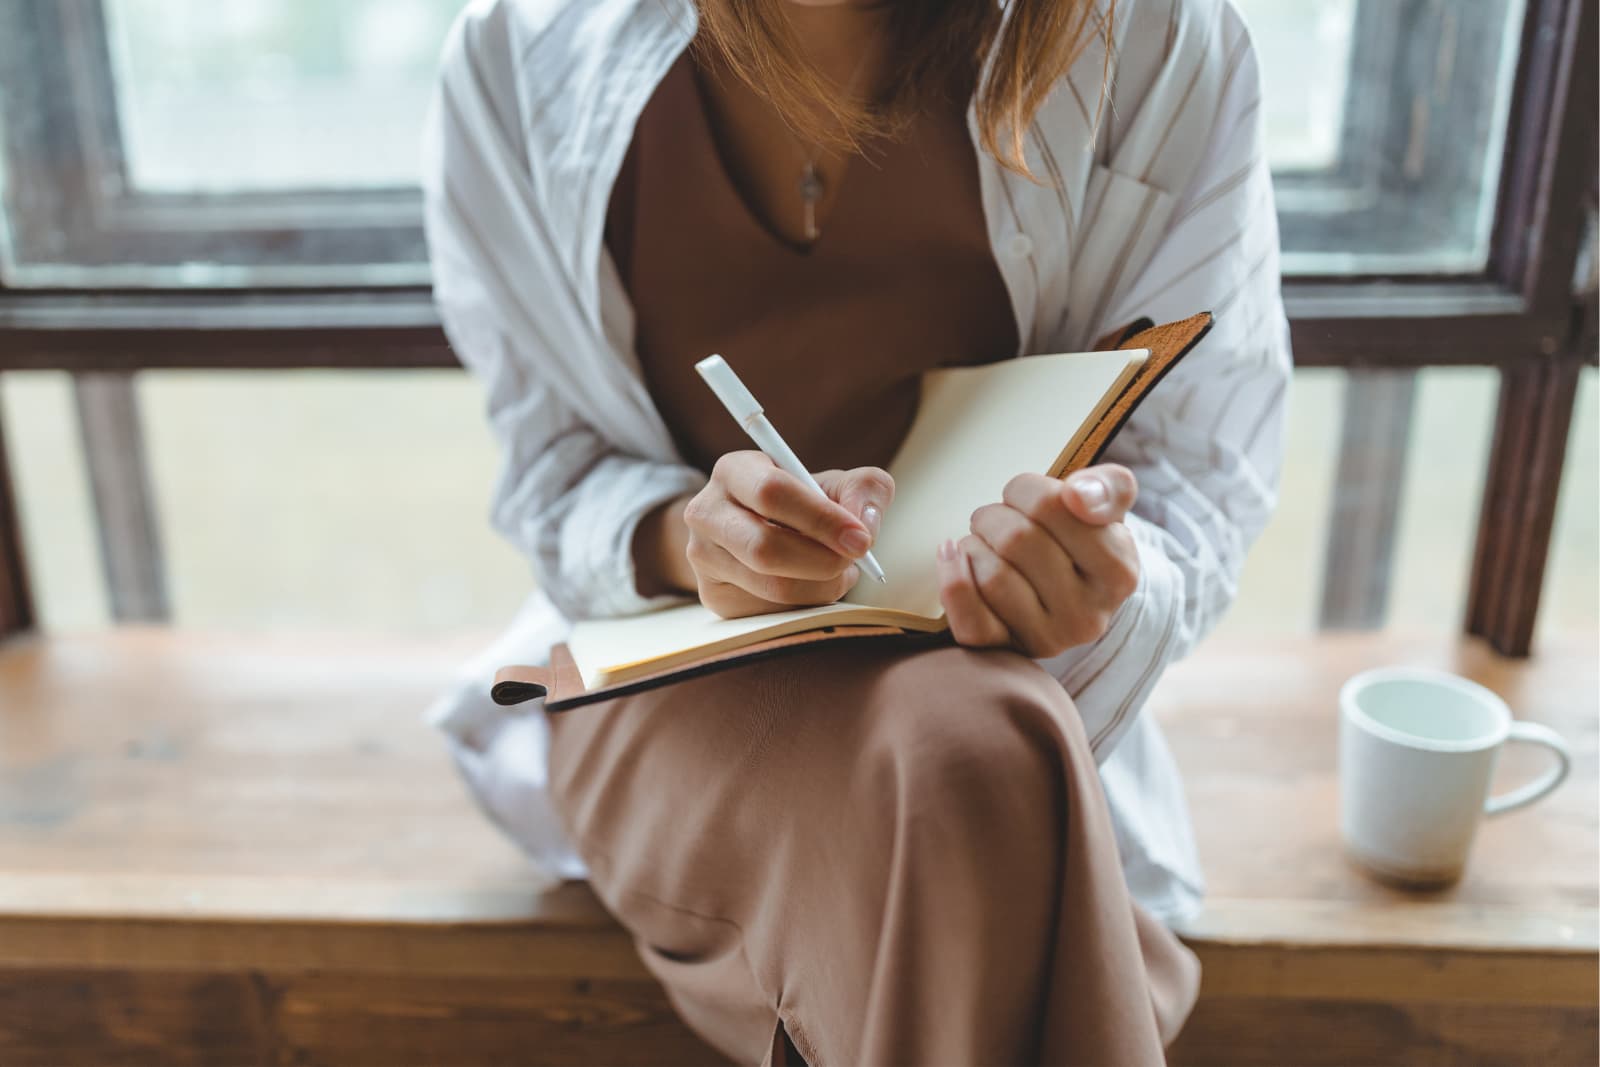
x=1021 y=246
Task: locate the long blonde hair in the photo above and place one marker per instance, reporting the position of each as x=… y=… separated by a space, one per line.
x=938 y=47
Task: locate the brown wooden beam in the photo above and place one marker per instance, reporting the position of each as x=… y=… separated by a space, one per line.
x=1335 y=322
x=248 y=331
x=1549 y=160
x=16 y=603
x=1519 y=501
x=1377 y=323
x=56 y=1015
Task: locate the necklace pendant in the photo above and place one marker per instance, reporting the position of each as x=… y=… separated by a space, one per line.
x=811 y=190
x=810 y=184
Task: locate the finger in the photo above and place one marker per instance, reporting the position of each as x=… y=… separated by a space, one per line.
x=971 y=621
x=1101 y=494
x=714 y=562
x=766 y=548
x=795 y=592
x=1104 y=557
x=1035 y=553
x=865 y=492
x=1043 y=500
x=773 y=592
x=1107 y=558
x=731 y=602
x=778 y=496
x=1009 y=596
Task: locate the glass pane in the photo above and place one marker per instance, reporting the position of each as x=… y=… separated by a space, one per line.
x=273 y=94
x=316 y=500
x=356 y=500
x=1437 y=527
x=58 y=525
x=1446 y=460
x=1443 y=491
x=1282 y=579
x=1304 y=49
x=1385 y=124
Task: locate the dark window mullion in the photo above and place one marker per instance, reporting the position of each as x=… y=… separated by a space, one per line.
x=124 y=505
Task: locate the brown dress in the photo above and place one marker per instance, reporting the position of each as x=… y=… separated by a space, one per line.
x=900 y=857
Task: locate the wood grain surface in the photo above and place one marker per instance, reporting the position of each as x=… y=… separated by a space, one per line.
x=225 y=849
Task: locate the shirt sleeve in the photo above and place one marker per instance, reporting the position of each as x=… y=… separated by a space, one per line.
x=566 y=497
x=1206 y=445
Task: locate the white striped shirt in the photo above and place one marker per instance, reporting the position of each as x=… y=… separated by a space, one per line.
x=1166 y=210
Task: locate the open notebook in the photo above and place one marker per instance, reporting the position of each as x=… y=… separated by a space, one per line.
x=975 y=428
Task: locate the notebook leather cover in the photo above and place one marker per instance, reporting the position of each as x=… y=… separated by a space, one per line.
x=561 y=684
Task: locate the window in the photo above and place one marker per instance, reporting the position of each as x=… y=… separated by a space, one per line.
x=1385 y=123
x=189 y=143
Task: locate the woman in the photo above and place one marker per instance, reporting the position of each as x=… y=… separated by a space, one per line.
x=862 y=855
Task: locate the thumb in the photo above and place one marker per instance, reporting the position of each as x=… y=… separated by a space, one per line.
x=1101 y=495
x=864 y=492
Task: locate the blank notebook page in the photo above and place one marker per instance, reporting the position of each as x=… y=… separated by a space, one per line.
x=976 y=429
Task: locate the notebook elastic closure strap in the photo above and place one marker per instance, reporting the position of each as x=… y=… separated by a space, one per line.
x=516 y=685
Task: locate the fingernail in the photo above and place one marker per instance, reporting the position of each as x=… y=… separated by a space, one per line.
x=855 y=541
x=872 y=518
x=947 y=551
x=1093 y=493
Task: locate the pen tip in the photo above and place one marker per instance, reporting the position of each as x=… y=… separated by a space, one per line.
x=881 y=578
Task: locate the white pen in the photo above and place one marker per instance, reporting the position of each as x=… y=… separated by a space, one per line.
x=741 y=404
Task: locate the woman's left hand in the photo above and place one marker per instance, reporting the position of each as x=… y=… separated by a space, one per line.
x=1045 y=569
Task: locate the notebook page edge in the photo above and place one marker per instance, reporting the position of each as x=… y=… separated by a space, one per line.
x=1108 y=400
x=657 y=635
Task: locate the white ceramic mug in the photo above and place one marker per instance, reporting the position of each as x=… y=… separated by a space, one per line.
x=1417 y=750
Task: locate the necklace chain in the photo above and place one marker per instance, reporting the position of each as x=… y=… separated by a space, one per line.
x=811 y=186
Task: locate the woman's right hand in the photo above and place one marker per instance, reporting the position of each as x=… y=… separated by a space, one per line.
x=760 y=540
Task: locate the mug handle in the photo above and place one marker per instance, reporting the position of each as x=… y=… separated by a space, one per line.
x=1521 y=797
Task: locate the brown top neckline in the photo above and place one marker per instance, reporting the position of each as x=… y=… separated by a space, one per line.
x=694 y=74
x=833 y=340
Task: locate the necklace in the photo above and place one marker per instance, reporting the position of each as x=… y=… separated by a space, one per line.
x=811 y=190
x=811 y=186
